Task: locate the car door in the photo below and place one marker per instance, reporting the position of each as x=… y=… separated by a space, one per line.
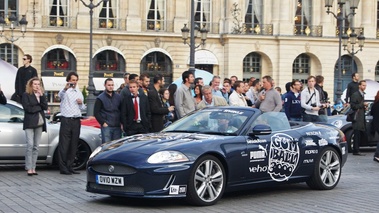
x=371 y=138
x=273 y=156
x=12 y=135
x=12 y=143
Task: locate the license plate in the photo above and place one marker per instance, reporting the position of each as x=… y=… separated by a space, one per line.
x=109 y=180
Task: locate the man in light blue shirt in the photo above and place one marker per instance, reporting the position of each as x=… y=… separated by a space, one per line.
x=71 y=106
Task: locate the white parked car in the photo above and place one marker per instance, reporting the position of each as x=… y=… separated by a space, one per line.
x=13 y=142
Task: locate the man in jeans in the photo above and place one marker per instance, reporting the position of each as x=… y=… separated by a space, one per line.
x=107 y=112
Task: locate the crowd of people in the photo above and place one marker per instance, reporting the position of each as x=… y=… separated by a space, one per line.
x=136 y=107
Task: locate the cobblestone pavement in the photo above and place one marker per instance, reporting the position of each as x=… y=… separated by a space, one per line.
x=357 y=191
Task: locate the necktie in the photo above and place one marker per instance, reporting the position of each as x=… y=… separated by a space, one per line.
x=135 y=108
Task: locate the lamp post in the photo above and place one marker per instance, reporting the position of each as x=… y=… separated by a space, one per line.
x=12 y=19
x=341 y=18
x=353 y=41
x=193 y=34
x=91 y=87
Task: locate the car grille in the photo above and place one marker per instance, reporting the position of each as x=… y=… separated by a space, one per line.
x=125 y=189
x=117 y=169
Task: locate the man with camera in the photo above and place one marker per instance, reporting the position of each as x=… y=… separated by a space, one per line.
x=71 y=106
x=310 y=101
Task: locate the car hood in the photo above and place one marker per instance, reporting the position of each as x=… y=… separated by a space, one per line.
x=140 y=147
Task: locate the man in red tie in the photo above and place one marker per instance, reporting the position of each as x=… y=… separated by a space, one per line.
x=135 y=113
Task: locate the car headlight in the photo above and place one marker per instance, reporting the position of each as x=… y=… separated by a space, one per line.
x=95 y=152
x=167 y=157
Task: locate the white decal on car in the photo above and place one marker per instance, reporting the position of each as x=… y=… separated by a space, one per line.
x=283 y=158
x=309 y=143
x=311 y=152
x=178 y=190
x=322 y=142
x=256 y=156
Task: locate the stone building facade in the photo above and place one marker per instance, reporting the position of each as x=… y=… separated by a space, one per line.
x=287 y=39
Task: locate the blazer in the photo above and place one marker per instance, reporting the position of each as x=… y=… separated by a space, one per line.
x=158 y=111
x=32 y=110
x=217 y=101
x=127 y=111
x=356 y=103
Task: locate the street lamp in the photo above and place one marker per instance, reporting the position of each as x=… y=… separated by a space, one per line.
x=353 y=41
x=91 y=87
x=193 y=34
x=12 y=27
x=341 y=18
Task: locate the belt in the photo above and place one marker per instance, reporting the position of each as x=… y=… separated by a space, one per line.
x=73 y=118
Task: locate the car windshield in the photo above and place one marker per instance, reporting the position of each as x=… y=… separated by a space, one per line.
x=212 y=121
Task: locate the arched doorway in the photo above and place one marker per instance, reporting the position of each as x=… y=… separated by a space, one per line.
x=252 y=66
x=347 y=67
x=301 y=68
x=157 y=63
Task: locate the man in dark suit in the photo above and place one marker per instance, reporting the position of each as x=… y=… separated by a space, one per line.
x=158 y=111
x=135 y=113
x=23 y=75
x=359 y=106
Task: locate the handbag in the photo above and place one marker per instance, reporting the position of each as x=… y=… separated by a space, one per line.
x=40 y=120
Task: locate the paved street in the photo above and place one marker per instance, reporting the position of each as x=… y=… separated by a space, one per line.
x=357 y=191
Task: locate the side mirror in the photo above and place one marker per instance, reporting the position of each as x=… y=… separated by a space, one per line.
x=260 y=129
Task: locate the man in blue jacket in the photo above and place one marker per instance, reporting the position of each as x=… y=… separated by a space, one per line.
x=292 y=103
x=108 y=112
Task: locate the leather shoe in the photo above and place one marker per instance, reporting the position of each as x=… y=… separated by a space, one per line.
x=376 y=159
x=74 y=172
x=65 y=173
x=358 y=153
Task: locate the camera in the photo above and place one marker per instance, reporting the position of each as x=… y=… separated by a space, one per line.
x=71 y=84
x=313 y=105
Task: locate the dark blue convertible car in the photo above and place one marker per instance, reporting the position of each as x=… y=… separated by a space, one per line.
x=216 y=150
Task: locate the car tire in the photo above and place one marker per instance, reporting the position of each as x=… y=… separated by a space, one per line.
x=82 y=155
x=350 y=140
x=207 y=182
x=327 y=171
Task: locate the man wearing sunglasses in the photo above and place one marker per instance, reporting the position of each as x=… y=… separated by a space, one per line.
x=24 y=73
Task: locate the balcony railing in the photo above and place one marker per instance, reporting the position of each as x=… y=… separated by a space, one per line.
x=257 y=29
x=157 y=25
x=348 y=31
x=312 y=30
x=59 y=22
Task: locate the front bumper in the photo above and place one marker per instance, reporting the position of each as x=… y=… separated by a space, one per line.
x=163 y=181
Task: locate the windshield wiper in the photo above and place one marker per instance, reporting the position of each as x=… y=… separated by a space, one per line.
x=216 y=133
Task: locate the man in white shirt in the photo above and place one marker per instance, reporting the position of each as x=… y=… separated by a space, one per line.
x=236 y=98
x=72 y=102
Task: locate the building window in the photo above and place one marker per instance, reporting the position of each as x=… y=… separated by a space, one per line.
x=157 y=63
x=58 y=13
x=156 y=14
x=252 y=66
x=8 y=8
x=6 y=53
x=253 y=16
x=203 y=13
x=301 y=68
x=109 y=60
x=59 y=60
x=108 y=15
x=303 y=17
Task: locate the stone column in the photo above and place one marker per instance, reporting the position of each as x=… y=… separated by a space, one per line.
x=134 y=18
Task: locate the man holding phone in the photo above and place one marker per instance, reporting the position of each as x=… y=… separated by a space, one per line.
x=71 y=106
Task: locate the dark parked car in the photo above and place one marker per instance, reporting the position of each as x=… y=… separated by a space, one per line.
x=215 y=150
x=371 y=138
